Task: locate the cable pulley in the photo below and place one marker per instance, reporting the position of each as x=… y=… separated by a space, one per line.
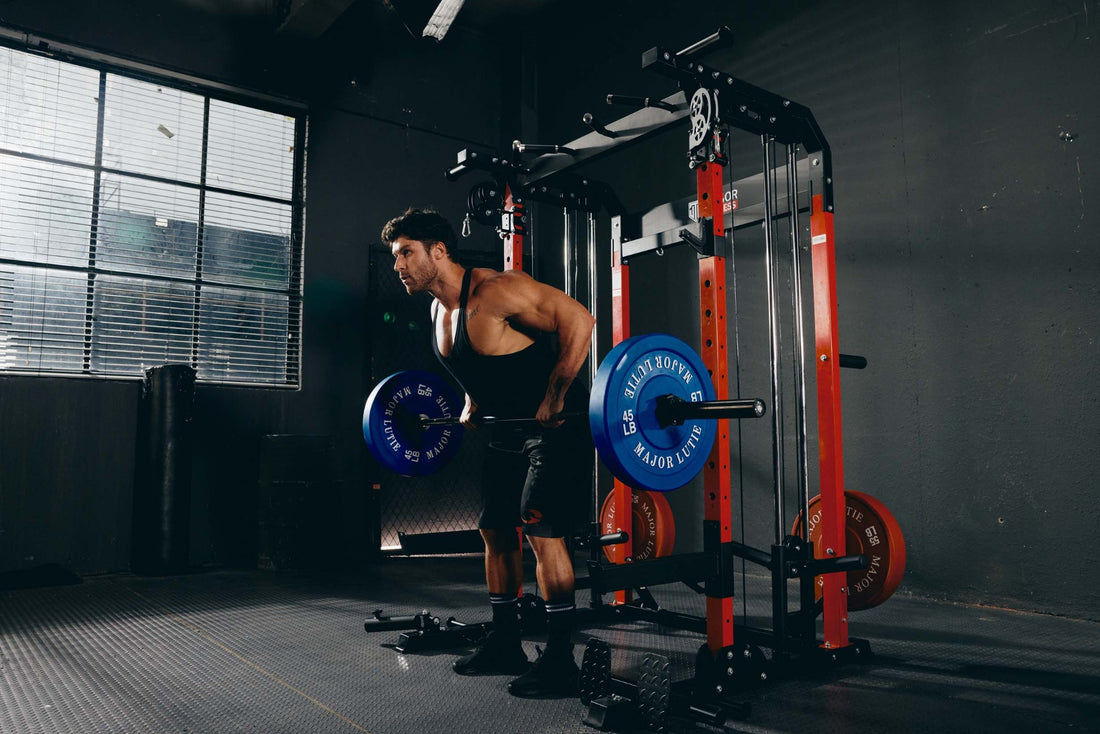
x=485 y=202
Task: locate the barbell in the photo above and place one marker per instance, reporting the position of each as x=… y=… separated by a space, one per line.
x=492 y=419
x=652 y=413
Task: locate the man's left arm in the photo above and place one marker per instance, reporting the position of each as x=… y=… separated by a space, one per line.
x=543 y=307
x=574 y=332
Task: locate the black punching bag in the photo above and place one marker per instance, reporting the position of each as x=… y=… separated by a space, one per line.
x=162 y=477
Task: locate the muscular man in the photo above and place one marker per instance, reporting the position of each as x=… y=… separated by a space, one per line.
x=515 y=346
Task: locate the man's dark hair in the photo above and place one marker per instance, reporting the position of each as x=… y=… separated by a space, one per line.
x=423 y=225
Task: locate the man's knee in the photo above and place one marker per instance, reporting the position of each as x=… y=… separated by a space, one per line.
x=500 y=542
x=547 y=548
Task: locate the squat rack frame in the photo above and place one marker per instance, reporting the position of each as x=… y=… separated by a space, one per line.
x=713 y=101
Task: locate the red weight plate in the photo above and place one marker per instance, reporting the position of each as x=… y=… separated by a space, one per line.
x=880 y=519
x=652 y=528
x=870 y=530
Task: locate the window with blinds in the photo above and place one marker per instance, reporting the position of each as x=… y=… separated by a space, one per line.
x=143 y=225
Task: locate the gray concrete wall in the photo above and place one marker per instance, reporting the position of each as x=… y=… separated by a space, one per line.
x=966 y=256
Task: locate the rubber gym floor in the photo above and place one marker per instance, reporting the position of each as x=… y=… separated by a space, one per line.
x=272 y=653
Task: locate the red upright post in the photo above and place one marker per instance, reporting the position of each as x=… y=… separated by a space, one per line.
x=716 y=475
x=514 y=227
x=827 y=360
x=620 y=329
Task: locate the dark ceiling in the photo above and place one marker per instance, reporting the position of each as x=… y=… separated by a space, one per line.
x=312 y=18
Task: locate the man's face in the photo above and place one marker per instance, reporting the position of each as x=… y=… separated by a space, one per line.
x=413 y=263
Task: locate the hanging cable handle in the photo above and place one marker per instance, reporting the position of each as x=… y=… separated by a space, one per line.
x=721 y=38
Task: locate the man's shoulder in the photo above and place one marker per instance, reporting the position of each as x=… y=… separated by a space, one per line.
x=487 y=279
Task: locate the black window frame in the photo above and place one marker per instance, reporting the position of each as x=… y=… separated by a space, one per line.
x=210 y=90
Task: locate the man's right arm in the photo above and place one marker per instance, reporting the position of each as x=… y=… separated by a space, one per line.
x=468 y=410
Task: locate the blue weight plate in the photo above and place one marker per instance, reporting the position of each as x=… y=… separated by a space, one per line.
x=622 y=412
x=391 y=423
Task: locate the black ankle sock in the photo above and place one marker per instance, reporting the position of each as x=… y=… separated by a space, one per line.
x=559 y=622
x=505 y=613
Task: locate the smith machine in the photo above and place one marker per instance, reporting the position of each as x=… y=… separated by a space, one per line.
x=850 y=554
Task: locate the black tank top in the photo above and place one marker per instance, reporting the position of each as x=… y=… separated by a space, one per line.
x=504 y=385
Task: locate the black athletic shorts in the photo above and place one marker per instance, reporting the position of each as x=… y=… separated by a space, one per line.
x=540 y=480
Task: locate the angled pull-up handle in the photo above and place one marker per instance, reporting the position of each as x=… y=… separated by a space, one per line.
x=521 y=147
x=623 y=99
x=720 y=38
x=593 y=122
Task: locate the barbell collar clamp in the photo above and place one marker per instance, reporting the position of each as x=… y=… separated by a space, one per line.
x=673 y=410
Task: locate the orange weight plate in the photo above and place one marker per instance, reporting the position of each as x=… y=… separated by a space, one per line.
x=870 y=530
x=652 y=527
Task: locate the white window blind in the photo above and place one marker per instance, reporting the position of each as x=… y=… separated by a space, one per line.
x=142 y=224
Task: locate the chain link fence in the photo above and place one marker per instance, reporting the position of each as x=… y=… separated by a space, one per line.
x=401 y=333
